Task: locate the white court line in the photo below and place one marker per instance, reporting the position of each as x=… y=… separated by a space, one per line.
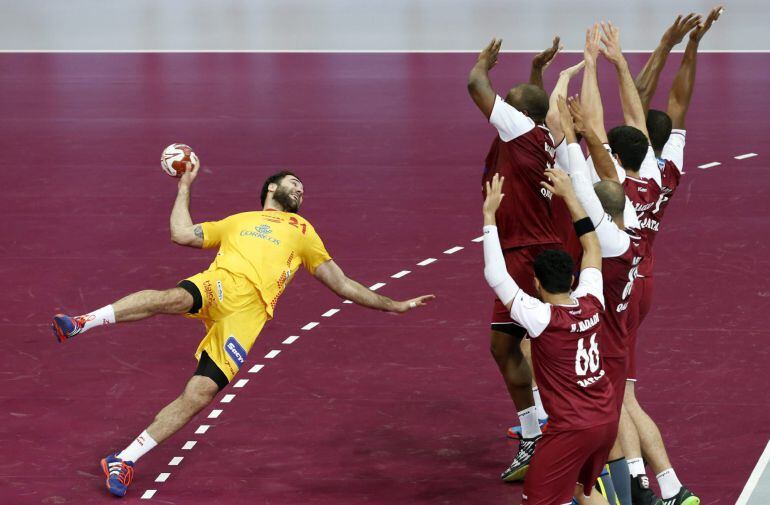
x=309 y=326
x=227 y=398
x=478 y=239
x=400 y=274
x=453 y=250
x=709 y=165
x=291 y=340
x=744 y=156
x=743 y=499
x=175 y=461
x=427 y=261
x=375 y=287
x=163 y=477
x=347 y=301
x=215 y=413
x=148 y=494
x=534 y=50
x=272 y=354
x=241 y=383
x=203 y=428
x=256 y=368
x=330 y=312
x=189 y=445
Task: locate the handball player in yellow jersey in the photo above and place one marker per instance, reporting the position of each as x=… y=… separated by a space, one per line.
x=259 y=254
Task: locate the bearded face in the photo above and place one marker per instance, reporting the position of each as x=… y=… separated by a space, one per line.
x=288 y=197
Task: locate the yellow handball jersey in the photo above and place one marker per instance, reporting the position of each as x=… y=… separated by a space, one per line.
x=266 y=247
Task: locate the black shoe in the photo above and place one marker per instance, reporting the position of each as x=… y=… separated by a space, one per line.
x=683 y=497
x=641 y=494
x=520 y=465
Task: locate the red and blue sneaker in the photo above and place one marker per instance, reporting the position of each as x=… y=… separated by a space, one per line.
x=514 y=432
x=65 y=327
x=119 y=474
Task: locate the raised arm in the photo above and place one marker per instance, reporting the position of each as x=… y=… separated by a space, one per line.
x=589 y=91
x=541 y=61
x=183 y=231
x=559 y=184
x=479 y=85
x=335 y=279
x=684 y=82
x=633 y=113
x=560 y=91
x=602 y=161
x=647 y=81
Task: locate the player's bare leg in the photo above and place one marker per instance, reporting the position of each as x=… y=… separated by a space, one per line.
x=136 y=306
x=119 y=468
x=517 y=374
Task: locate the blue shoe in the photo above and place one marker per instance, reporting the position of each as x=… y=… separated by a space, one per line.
x=514 y=432
x=65 y=327
x=119 y=474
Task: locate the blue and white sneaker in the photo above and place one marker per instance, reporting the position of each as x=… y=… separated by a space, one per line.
x=65 y=327
x=514 y=432
x=119 y=474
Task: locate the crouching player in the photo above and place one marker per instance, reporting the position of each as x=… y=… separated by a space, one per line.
x=564 y=327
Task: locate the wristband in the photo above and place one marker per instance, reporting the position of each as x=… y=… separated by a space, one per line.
x=583 y=226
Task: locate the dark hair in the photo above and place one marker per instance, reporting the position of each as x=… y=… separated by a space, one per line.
x=612 y=196
x=530 y=99
x=273 y=179
x=630 y=145
x=659 y=127
x=554 y=270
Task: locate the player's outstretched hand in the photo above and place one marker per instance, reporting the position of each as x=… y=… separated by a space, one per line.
x=593 y=37
x=188 y=177
x=576 y=112
x=494 y=196
x=572 y=71
x=558 y=183
x=488 y=55
x=611 y=39
x=702 y=28
x=407 y=305
x=682 y=25
x=545 y=58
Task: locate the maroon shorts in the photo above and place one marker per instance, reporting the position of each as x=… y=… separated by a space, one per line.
x=564 y=458
x=519 y=263
x=617 y=372
x=639 y=306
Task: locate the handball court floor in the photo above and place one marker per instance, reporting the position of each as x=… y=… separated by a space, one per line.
x=366 y=407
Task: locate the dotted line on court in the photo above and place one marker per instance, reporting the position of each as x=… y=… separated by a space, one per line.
x=717 y=163
x=241 y=383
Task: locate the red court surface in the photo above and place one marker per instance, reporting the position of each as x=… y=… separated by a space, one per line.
x=366 y=407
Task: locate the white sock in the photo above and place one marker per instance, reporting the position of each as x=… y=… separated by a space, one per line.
x=99 y=317
x=138 y=448
x=541 y=413
x=669 y=483
x=529 y=425
x=636 y=467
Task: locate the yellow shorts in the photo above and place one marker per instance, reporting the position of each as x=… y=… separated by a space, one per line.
x=234 y=314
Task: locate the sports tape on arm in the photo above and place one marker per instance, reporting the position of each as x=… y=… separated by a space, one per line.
x=495 y=272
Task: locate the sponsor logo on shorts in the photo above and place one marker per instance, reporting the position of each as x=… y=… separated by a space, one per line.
x=263 y=232
x=208 y=292
x=220 y=292
x=235 y=351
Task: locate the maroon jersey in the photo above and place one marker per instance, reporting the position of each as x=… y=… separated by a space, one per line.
x=565 y=355
x=619 y=274
x=521 y=152
x=645 y=195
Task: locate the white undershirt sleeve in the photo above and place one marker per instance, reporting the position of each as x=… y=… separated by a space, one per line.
x=592 y=169
x=532 y=314
x=650 y=168
x=509 y=121
x=674 y=149
x=561 y=156
x=590 y=284
x=584 y=190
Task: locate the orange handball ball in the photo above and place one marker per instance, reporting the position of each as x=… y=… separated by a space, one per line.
x=178 y=159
